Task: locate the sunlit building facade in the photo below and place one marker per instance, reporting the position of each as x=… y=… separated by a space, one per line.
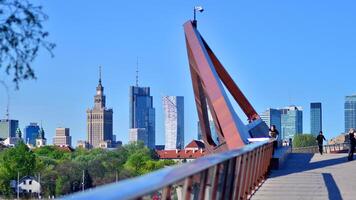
x=173 y=107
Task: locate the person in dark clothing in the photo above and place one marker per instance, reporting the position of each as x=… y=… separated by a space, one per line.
x=320 y=138
x=273 y=133
x=352 y=144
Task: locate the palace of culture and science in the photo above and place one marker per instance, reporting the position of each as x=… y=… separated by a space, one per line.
x=99 y=121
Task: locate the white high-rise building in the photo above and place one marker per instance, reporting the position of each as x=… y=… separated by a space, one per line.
x=173 y=107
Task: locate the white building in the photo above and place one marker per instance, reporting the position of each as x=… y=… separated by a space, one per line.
x=41 y=140
x=173 y=107
x=12 y=141
x=29 y=184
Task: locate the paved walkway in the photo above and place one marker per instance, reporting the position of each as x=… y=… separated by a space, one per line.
x=311 y=176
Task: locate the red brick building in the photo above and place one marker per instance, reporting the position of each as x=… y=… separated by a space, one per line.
x=193 y=150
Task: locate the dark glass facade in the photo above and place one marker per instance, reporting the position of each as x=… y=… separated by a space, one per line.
x=315 y=118
x=31 y=132
x=291 y=122
x=8 y=128
x=350 y=112
x=142 y=113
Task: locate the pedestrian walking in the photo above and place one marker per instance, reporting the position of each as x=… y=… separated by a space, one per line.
x=320 y=139
x=273 y=133
x=352 y=144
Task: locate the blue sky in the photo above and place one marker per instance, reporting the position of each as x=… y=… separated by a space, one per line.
x=278 y=52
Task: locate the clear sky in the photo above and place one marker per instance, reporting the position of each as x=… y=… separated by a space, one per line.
x=278 y=52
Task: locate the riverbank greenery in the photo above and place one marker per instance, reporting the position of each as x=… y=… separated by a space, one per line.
x=61 y=171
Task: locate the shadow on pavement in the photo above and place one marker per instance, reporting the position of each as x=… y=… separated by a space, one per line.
x=333 y=190
x=299 y=162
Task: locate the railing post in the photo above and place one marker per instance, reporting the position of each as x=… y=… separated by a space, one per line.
x=203 y=183
x=248 y=174
x=237 y=179
x=187 y=188
x=166 y=193
x=230 y=179
x=214 y=181
x=222 y=179
x=242 y=176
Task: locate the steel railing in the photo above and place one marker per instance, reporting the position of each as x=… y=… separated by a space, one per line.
x=233 y=174
x=330 y=148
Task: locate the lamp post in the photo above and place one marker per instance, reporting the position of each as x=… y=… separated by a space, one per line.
x=196 y=8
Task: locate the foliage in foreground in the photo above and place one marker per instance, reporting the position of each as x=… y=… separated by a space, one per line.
x=304 y=140
x=61 y=171
x=21 y=37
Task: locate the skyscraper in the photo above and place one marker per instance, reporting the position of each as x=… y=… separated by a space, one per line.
x=214 y=135
x=142 y=113
x=31 y=132
x=315 y=118
x=173 y=107
x=99 y=119
x=272 y=117
x=138 y=134
x=8 y=128
x=350 y=112
x=62 y=137
x=291 y=122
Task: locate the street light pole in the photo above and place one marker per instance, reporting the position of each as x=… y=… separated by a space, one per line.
x=196 y=8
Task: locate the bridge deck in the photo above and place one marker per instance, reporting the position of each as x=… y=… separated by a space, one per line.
x=311 y=176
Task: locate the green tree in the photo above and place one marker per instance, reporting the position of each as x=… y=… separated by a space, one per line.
x=13 y=161
x=304 y=140
x=21 y=37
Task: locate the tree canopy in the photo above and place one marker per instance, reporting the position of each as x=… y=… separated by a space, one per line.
x=304 y=140
x=61 y=171
x=21 y=37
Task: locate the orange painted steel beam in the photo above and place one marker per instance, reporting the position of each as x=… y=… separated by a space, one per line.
x=208 y=76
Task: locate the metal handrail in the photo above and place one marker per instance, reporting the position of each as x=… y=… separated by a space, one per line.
x=327 y=148
x=256 y=156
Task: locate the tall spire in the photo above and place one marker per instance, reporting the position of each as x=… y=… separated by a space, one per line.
x=100 y=75
x=137 y=72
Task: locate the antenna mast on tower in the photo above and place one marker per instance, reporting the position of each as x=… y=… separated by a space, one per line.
x=99 y=74
x=137 y=72
x=8 y=99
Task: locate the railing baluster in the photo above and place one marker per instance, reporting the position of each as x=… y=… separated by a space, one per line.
x=203 y=183
x=187 y=188
x=230 y=179
x=166 y=194
x=243 y=175
x=248 y=174
x=237 y=179
x=214 y=181
x=252 y=172
x=222 y=179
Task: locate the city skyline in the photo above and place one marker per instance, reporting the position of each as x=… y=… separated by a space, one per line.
x=164 y=65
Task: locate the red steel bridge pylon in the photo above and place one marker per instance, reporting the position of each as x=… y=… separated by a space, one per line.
x=209 y=78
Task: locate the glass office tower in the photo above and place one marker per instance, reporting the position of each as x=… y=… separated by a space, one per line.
x=272 y=117
x=291 y=122
x=31 y=132
x=315 y=118
x=350 y=112
x=173 y=107
x=142 y=113
x=8 y=128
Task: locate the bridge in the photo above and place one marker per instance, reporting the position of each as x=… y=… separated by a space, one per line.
x=242 y=173
x=243 y=163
